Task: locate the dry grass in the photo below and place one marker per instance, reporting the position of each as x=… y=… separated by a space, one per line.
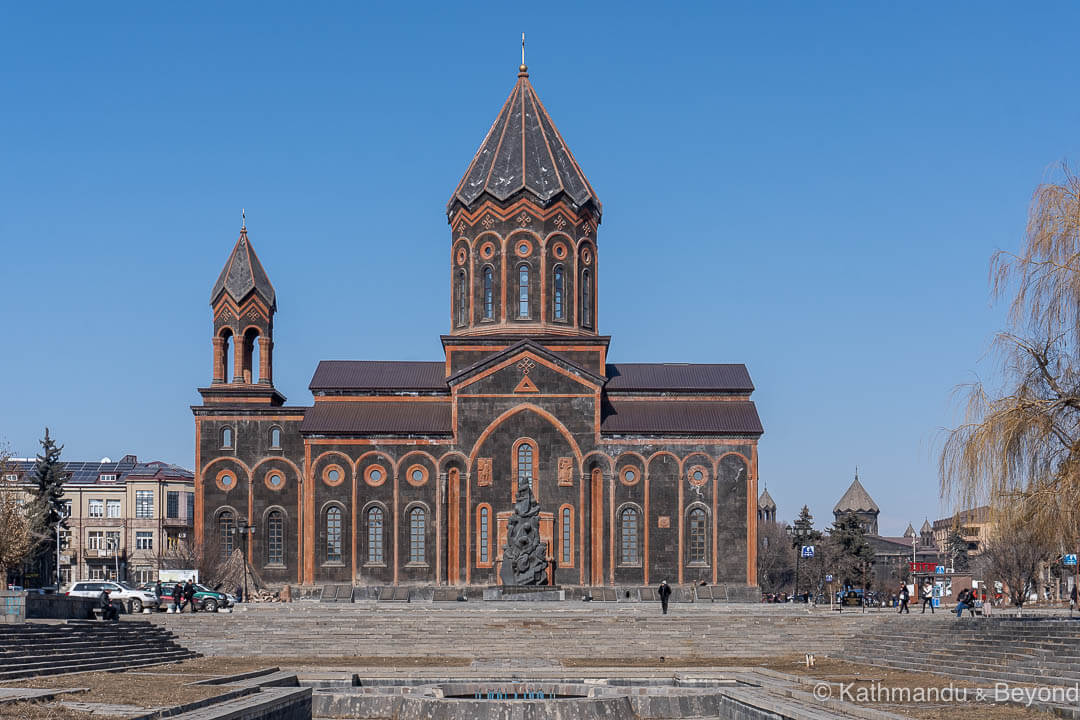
x=34 y=711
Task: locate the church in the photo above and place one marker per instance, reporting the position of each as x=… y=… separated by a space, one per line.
x=406 y=472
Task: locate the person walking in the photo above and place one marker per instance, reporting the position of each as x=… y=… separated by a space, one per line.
x=664 y=591
x=157 y=591
x=1074 y=596
x=927 y=596
x=904 y=597
x=178 y=597
x=189 y=596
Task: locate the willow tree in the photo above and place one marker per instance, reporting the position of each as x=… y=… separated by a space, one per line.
x=1018 y=447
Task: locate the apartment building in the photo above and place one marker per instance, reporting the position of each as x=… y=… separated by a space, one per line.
x=124 y=518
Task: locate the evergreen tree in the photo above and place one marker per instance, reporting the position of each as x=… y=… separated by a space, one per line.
x=852 y=555
x=956 y=548
x=46 y=509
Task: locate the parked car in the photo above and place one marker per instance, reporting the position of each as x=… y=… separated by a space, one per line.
x=133 y=599
x=206 y=599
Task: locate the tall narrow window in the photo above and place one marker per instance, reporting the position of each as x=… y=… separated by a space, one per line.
x=629 y=533
x=523 y=292
x=333 y=535
x=226 y=438
x=144 y=503
x=375 y=554
x=489 y=294
x=586 y=298
x=417 y=523
x=275 y=538
x=226 y=526
x=698 y=533
x=485 y=535
x=275 y=438
x=567 y=537
x=525 y=465
x=557 y=292
x=462 y=299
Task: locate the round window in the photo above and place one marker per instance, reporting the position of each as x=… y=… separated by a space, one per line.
x=226 y=480
x=275 y=479
x=416 y=475
x=628 y=476
x=487 y=251
x=376 y=475
x=333 y=476
x=697 y=476
x=523 y=249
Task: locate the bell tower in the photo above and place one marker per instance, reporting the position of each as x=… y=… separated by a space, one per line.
x=243 y=304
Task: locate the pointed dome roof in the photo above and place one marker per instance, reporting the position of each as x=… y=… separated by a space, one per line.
x=242 y=274
x=910 y=532
x=926 y=527
x=765 y=502
x=524 y=151
x=856 y=499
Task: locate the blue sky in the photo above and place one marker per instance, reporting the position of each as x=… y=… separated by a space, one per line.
x=814 y=189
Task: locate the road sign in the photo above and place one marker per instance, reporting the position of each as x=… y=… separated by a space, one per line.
x=939 y=570
x=1069 y=559
x=828 y=578
x=808 y=551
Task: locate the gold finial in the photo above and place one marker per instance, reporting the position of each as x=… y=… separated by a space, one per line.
x=523 y=70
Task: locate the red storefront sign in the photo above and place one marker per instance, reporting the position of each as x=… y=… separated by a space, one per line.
x=924 y=567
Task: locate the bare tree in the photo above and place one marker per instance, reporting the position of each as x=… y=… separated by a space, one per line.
x=15 y=539
x=1014 y=555
x=776 y=567
x=1019 y=443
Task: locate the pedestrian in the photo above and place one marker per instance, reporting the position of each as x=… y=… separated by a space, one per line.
x=1074 y=596
x=239 y=594
x=927 y=597
x=962 y=601
x=157 y=590
x=178 y=597
x=189 y=596
x=904 y=597
x=664 y=591
x=108 y=610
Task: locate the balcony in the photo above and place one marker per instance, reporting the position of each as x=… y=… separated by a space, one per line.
x=177 y=522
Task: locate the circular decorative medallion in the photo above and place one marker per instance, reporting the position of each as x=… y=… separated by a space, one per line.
x=226 y=480
x=586 y=256
x=697 y=476
x=559 y=250
x=375 y=475
x=523 y=248
x=417 y=475
x=629 y=476
x=487 y=250
x=274 y=479
x=333 y=475
x=461 y=256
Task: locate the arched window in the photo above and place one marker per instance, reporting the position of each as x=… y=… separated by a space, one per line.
x=489 y=294
x=698 y=535
x=226 y=526
x=523 y=292
x=628 y=521
x=333 y=535
x=375 y=555
x=275 y=538
x=462 y=299
x=483 y=529
x=226 y=358
x=557 y=293
x=417 y=524
x=567 y=536
x=525 y=465
x=586 y=298
x=275 y=438
x=226 y=437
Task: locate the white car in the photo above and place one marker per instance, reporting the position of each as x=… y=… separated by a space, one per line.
x=134 y=600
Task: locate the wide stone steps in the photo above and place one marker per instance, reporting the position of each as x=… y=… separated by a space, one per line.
x=34 y=649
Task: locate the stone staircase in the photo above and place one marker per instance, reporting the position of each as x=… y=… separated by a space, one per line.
x=1028 y=650
x=32 y=649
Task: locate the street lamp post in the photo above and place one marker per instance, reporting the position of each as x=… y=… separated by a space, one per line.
x=244 y=528
x=58 y=524
x=798 y=532
x=114 y=548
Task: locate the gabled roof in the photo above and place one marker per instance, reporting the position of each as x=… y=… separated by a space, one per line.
x=244 y=274
x=361 y=375
x=856 y=499
x=525 y=345
x=524 y=152
x=926 y=527
x=686 y=377
x=765 y=501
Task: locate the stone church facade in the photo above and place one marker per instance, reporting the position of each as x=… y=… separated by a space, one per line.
x=406 y=472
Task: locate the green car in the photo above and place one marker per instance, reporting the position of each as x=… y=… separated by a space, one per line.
x=206 y=599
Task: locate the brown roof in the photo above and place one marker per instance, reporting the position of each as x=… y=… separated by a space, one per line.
x=657 y=377
x=335 y=375
x=856 y=499
x=242 y=274
x=680 y=417
x=373 y=418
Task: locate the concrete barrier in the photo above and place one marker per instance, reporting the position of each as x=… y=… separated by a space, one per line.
x=59 y=607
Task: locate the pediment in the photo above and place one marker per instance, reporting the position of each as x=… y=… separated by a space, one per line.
x=526 y=369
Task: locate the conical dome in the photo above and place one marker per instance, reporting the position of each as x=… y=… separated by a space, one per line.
x=244 y=274
x=856 y=499
x=523 y=152
x=765 y=502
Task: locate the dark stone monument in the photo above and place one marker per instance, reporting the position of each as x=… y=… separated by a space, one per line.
x=525 y=555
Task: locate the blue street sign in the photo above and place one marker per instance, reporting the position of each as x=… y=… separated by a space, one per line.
x=808 y=551
x=828 y=578
x=1069 y=559
x=939 y=570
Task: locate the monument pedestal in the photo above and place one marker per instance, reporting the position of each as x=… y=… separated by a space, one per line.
x=525 y=593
